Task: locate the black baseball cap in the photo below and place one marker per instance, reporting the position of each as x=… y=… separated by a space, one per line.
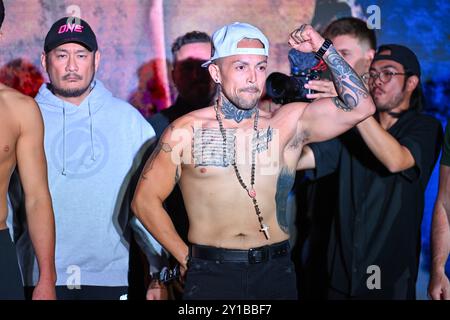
x=402 y=55
x=70 y=29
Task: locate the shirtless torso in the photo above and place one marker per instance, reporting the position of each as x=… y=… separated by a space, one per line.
x=21 y=144
x=221 y=212
x=11 y=105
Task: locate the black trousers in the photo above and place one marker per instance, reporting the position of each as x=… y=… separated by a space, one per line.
x=11 y=287
x=271 y=279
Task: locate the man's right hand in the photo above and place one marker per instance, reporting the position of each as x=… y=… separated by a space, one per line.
x=324 y=89
x=439 y=287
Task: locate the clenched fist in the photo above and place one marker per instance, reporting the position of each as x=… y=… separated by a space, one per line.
x=306 y=39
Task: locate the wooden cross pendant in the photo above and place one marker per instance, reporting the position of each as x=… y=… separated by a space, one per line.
x=265 y=229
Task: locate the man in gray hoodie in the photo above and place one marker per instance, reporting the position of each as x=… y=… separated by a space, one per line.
x=93 y=143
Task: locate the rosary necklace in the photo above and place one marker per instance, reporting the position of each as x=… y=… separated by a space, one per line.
x=251 y=192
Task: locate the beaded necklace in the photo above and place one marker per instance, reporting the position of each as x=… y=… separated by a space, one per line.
x=251 y=192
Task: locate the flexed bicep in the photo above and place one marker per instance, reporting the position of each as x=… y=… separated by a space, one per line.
x=327 y=118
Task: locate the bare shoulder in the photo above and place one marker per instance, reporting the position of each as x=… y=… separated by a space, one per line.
x=182 y=128
x=194 y=119
x=203 y=114
x=16 y=102
x=23 y=111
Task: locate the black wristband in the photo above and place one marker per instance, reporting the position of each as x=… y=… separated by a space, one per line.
x=326 y=44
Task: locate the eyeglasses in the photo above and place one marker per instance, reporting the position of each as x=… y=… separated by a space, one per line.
x=385 y=76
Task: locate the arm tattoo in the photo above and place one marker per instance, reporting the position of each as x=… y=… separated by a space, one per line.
x=339 y=104
x=149 y=165
x=348 y=85
x=284 y=185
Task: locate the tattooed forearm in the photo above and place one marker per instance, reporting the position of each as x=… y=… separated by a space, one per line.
x=349 y=85
x=149 y=165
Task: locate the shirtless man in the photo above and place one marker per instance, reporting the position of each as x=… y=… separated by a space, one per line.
x=21 y=143
x=236 y=164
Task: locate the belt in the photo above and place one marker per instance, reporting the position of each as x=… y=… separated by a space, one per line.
x=254 y=255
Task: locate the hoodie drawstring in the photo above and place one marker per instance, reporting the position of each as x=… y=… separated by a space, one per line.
x=91 y=127
x=91 y=130
x=63 y=172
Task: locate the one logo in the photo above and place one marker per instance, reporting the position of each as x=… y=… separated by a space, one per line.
x=70 y=28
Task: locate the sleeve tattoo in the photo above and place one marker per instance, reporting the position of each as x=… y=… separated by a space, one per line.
x=349 y=85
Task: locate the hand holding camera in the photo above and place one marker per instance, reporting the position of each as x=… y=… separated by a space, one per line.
x=283 y=89
x=323 y=88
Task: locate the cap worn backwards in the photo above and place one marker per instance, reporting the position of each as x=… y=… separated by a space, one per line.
x=400 y=54
x=226 y=39
x=70 y=29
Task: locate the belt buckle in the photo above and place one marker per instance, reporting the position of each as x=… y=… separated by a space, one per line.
x=258 y=255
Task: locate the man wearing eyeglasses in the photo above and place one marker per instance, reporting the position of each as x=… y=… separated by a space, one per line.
x=384 y=165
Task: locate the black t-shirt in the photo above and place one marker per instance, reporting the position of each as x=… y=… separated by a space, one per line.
x=161 y=120
x=379 y=213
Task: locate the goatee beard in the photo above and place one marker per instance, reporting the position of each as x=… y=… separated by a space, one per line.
x=70 y=93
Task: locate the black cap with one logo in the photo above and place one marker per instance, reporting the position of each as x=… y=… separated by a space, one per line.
x=70 y=29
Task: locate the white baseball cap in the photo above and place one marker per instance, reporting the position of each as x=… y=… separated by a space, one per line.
x=226 y=39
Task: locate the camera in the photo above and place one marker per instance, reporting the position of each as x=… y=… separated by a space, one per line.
x=283 y=89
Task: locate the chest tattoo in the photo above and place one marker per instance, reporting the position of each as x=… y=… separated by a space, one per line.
x=208 y=148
